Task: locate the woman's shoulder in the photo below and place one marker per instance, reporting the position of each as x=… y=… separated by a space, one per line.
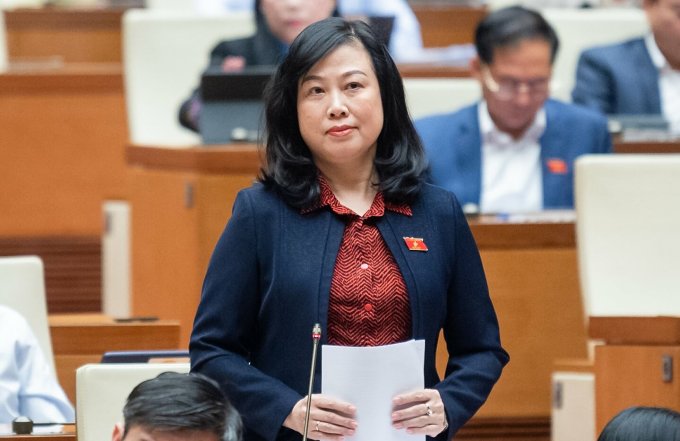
x=433 y=197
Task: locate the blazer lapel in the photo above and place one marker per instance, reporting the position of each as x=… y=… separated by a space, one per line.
x=554 y=165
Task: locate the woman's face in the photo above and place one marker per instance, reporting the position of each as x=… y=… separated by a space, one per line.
x=339 y=107
x=287 y=18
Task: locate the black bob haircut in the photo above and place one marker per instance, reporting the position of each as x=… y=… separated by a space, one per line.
x=289 y=167
x=510 y=26
x=642 y=423
x=175 y=402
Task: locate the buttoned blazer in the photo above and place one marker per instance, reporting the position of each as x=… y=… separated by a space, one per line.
x=269 y=281
x=453 y=145
x=618 y=79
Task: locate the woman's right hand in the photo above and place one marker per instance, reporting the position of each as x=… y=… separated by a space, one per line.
x=329 y=419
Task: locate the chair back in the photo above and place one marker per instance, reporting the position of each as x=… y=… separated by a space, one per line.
x=3 y=43
x=101 y=392
x=427 y=96
x=579 y=29
x=22 y=288
x=628 y=234
x=164 y=53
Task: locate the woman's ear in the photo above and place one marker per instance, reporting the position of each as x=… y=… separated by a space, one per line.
x=118 y=431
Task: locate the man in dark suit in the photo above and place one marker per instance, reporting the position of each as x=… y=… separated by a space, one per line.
x=513 y=151
x=638 y=76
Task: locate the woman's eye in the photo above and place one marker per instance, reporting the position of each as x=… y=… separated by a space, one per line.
x=315 y=91
x=353 y=85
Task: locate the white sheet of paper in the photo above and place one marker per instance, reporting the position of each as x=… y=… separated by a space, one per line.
x=369 y=377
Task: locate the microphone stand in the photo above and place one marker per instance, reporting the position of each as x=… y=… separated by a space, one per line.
x=316 y=336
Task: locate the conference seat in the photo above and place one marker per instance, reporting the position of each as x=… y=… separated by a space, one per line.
x=579 y=29
x=101 y=392
x=22 y=288
x=628 y=234
x=427 y=96
x=628 y=245
x=164 y=54
x=3 y=43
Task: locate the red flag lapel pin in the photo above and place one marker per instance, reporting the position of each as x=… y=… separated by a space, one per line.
x=415 y=243
x=557 y=166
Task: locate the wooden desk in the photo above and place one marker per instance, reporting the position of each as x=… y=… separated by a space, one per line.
x=445 y=24
x=531 y=268
x=415 y=70
x=647 y=147
x=68 y=35
x=78 y=339
x=637 y=365
x=68 y=434
x=63 y=136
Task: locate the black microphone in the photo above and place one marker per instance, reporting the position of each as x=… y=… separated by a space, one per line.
x=316 y=336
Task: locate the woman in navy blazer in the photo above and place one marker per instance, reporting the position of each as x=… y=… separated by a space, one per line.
x=339 y=131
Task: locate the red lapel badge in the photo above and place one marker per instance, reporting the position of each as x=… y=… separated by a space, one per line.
x=557 y=166
x=415 y=243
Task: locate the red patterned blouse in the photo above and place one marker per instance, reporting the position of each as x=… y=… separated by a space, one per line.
x=369 y=304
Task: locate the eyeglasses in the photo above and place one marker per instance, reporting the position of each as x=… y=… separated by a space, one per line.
x=506 y=90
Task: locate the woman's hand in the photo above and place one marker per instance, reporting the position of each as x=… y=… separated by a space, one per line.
x=329 y=419
x=420 y=412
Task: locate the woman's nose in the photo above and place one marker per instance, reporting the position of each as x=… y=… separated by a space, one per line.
x=337 y=107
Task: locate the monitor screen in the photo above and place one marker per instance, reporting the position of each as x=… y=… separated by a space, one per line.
x=232 y=105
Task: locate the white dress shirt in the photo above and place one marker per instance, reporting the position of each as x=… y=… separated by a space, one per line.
x=669 y=86
x=27 y=385
x=511 y=169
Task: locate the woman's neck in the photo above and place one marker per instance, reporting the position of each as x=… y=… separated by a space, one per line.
x=355 y=191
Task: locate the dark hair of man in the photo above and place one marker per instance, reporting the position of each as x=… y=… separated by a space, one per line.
x=643 y=424
x=510 y=26
x=182 y=402
x=289 y=167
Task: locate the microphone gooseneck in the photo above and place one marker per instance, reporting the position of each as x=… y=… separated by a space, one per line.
x=316 y=336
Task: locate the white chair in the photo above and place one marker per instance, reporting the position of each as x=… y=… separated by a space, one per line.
x=101 y=391
x=628 y=234
x=427 y=96
x=164 y=53
x=3 y=43
x=580 y=29
x=22 y=288
x=573 y=407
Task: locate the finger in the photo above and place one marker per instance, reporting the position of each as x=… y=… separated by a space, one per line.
x=334 y=405
x=329 y=431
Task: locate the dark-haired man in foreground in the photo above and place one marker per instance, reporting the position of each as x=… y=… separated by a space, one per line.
x=178 y=407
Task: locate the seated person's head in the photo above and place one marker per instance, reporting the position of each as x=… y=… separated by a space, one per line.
x=516 y=48
x=287 y=18
x=664 y=20
x=178 y=407
x=643 y=424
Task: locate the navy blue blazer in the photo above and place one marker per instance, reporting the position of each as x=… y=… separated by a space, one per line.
x=269 y=280
x=453 y=145
x=618 y=79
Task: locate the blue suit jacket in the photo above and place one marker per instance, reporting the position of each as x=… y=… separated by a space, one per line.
x=618 y=79
x=269 y=281
x=453 y=145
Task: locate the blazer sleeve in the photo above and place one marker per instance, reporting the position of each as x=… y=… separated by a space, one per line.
x=594 y=86
x=476 y=357
x=225 y=327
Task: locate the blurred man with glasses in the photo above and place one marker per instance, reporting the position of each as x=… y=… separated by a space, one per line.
x=514 y=150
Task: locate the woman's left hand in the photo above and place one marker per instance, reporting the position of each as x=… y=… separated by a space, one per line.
x=421 y=412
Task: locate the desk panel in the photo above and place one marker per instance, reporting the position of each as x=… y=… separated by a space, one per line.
x=78 y=339
x=63 y=138
x=68 y=35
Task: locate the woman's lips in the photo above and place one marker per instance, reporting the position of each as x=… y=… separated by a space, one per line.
x=339 y=130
